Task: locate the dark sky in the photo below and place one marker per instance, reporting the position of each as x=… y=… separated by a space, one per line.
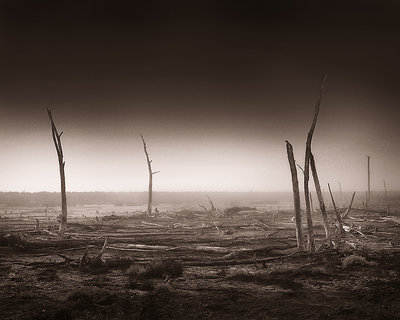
x=215 y=87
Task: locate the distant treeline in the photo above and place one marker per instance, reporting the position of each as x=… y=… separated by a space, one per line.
x=52 y=199
x=223 y=199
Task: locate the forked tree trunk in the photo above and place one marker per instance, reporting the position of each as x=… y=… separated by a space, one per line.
x=151 y=173
x=338 y=217
x=296 y=196
x=311 y=241
x=61 y=163
x=320 y=197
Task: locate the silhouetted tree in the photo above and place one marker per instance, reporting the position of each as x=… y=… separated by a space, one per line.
x=296 y=196
x=151 y=173
x=320 y=198
x=311 y=242
x=57 y=144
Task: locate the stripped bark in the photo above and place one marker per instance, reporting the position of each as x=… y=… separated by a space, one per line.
x=311 y=242
x=151 y=173
x=346 y=214
x=320 y=197
x=311 y=203
x=61 y=163
x=338 y=217
x=296 y=196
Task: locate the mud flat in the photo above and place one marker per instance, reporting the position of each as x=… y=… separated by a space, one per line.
x=192 y=265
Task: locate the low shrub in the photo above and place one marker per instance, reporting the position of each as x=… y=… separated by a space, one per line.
x=354 y=260
x=86 y=296
x=156 y=269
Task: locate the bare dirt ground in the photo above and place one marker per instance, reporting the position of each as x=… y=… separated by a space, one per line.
x=242 y=265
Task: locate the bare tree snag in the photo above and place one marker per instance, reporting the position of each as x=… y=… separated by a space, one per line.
x=296 y=196
x=346 y=214
x=311 y=242
x=386 y=198
x=98 y=259
x=151 y=173
x=338 y=217
x=213 y=209
x=320 y=197
x=204 y=208
x=57 y=144
x=369 y=184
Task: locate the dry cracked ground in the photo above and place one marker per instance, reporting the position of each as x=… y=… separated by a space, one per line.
x=192 y=265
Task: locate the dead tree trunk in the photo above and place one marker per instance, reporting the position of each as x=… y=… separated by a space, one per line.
x=311 y=242
x=151 y=173
x=369 y=183
x=311 y=203
x=61 y=163
x=296 y=196
x=338 y=217
x=320 y=197
x=349 y=208
x=386 y=198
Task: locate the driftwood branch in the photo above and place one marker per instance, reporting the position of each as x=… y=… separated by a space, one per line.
x=213 y=209
x=98 y=258
x=346 y=214
x=203 y=207
x=338 y=217
x=302 y=170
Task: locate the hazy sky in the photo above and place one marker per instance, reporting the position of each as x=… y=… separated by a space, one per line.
x=214 y=86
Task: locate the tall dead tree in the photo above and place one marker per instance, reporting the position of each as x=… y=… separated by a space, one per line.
x=151 y=173
x=61 y=163
x=369 y=184
x=338 y=217
x=310 y=232
x=386 y=198
x=296 y=196
x=320 y=197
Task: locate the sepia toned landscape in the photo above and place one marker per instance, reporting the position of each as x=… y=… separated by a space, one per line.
x=198 y=263
x=199 y=160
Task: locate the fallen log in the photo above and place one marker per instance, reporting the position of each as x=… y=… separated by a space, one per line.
x=216 y=263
